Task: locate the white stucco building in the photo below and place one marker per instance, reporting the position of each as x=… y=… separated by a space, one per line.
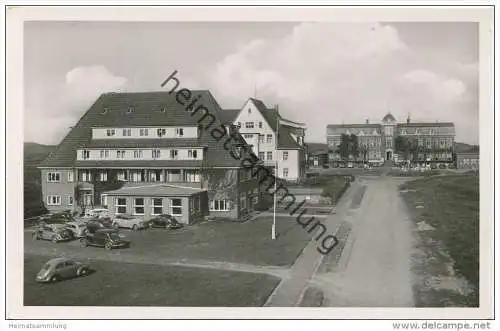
x=275 y=140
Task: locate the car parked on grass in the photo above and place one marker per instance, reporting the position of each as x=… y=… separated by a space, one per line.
x=107 y=238
x=129 y=222
x=79 y=229
x=165 y=221
x=95 y=224
x=54 y=232
x=61 y=268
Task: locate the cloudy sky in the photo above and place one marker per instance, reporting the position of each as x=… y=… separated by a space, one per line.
x=318 y=73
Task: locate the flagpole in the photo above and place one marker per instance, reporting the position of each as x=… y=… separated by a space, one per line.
x=273 y=230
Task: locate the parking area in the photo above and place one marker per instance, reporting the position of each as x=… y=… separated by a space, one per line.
x=234 y=242
x=213 y=263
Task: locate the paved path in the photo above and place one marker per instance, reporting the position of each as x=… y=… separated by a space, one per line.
x=377 y=265
x=290 y=291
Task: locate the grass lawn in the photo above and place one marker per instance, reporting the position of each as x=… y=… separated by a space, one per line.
x=248 y=243
x=451 y=206
x=124 y=284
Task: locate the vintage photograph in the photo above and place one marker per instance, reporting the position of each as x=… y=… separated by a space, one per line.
x=251 y=164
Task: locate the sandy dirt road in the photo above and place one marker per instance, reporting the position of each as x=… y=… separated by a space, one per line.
x=375 y=269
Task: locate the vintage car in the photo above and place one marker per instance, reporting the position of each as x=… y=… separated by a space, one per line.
x=98 y=223
x=53 y=232
x=165 y=221
x=79 y=229
x=61 y=268
x=130 y=222
x=107 y=238
x=97 y=213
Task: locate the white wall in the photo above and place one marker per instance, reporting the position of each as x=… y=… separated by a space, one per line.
x=170 y=132
x=292 y=163
x=182 y=154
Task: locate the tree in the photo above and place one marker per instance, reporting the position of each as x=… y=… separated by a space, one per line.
x=402 y=146
x=364 y=151
x=353 y=146
x=414 y=149
x=343 y=148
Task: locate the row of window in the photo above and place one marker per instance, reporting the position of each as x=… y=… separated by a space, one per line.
x=173 y=175
x=262 y=156
x=250 y=125
x=156 y=206
x=55 y=200
x=144 y=132
x=138 y=154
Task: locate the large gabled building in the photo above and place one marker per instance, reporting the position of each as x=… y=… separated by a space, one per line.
x=274 y=139
x=147 y=154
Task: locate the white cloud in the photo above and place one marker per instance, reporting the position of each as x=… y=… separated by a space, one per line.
x=325 y=73
x=64 y=103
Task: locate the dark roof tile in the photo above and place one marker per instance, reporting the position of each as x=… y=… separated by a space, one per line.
x=150 y=109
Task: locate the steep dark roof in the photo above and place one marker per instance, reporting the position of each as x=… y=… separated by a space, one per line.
x=285 y=140
x=148 y=109
x=227 y=116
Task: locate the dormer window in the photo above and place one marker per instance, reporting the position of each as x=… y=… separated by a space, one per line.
x=130 y=110
x=156 y=153
x=104 y=111
x=161 y=132
x=85 y=154
x=174 y=153
x=163 y=109
x=138 y=154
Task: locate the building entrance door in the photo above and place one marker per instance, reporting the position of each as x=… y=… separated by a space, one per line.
x=388 y=155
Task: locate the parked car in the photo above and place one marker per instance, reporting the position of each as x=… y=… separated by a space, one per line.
x=54 y=232
x=350 y=165
x=107 y=238
x=97 y=213
x=61 y=268
x=99 y=223
x=79 y=229
x=165 y=221
x=130 y=222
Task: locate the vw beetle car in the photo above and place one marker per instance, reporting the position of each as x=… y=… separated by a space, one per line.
x=54 y=232
x=61 y=268
x=165 y=221
x=107 y=238
x=130 y=222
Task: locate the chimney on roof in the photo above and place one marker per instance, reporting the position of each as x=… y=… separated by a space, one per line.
x=408 y=119
x=367 y=121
